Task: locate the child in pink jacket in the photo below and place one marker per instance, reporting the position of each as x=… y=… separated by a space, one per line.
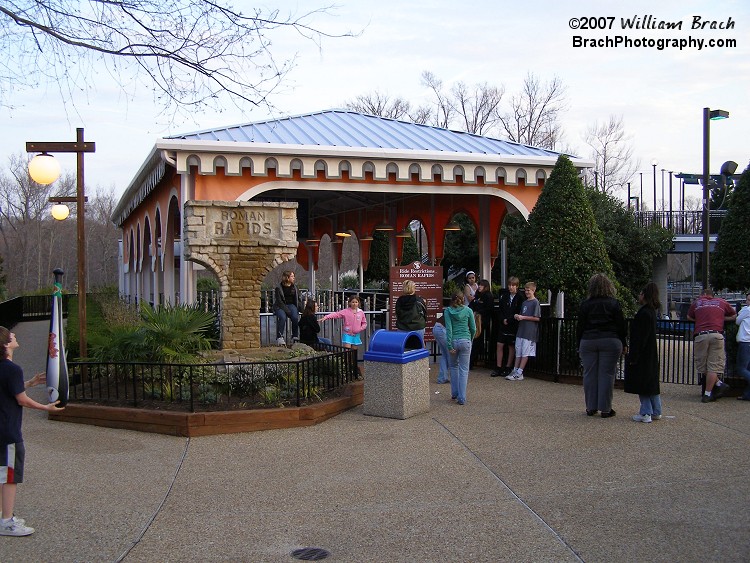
x=354 y=322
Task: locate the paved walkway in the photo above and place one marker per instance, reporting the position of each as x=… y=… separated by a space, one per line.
x=519 y=473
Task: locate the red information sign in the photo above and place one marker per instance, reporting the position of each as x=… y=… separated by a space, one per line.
x=429 y=282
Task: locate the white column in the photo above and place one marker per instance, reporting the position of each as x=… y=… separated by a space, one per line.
x=187 y=274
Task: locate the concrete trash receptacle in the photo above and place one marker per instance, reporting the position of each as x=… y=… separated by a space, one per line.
x=397 y=375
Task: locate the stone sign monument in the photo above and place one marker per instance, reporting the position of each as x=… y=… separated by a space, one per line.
x=240 y=243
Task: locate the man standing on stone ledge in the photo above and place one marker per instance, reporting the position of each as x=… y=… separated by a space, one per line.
x=710 y=313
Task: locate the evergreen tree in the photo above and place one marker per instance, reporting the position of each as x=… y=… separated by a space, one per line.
x=378 y=267
x=410 y=251
x=562 y=245
x=461 y=249
x=730 y=263
x=631 y=248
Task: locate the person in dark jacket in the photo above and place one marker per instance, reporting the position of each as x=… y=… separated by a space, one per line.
x=411 y=310
x=509 y=304
x=309 y=327
x=484 y=305
x=642 y=361
x=286 y=306
x=601 y=341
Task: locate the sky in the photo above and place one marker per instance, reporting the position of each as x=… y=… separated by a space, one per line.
x=660 y=94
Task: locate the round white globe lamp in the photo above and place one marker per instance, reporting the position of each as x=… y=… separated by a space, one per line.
x=60 y=211
x=44 y=169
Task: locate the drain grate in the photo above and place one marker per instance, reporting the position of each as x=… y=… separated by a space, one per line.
x=310 y=553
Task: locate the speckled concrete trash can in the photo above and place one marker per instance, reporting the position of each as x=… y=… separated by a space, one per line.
x=397 y=375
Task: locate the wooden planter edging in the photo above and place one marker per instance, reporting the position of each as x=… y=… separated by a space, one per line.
x=189 y=424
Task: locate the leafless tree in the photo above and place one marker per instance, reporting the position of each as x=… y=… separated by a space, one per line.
x=613 y=154
x=534 y=116
x=102 y=239
x=24 y=236
x=381 y=105
x=477 y=107
x=443 y=110
x=32 y=244
x=189 y=53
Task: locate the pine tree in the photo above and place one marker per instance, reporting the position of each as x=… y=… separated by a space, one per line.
x=730 y=263
x=562 y=246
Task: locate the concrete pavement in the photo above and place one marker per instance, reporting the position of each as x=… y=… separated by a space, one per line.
x=519 y=473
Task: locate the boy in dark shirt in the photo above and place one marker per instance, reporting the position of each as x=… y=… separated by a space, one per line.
x=13 y=398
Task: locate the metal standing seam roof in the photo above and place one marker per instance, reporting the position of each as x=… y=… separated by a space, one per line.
x=345 y=128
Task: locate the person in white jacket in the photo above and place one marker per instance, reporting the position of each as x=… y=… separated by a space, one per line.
x=743 y=347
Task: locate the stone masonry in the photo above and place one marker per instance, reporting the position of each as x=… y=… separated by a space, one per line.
x=240 y=242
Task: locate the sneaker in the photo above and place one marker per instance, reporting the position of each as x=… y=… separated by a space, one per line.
x=719 y=392
x=14 y=528
x=707 y=399
x=295 y=339
x=280 y=341
x=655 y=417
x=15 y=519
x=510 y=375
x=497 y=372
x=642 y=417
x=609 y=414
x=591 y=413
x=518 y=376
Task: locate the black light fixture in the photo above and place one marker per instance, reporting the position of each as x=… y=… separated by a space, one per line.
x=453 y=224
x=708 y=116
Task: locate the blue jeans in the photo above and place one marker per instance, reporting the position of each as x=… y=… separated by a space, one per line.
x=460 y=368
x=281 y=317
x=599 y=357
x=650 y=404
x=743 y=365
x=439 y=333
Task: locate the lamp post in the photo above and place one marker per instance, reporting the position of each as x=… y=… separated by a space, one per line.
x=641 y=196
x=44 y=169
x=708 y=116
x=662 y=189
x=654 y=162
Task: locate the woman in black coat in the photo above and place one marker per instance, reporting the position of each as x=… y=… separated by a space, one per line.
x=642 y=362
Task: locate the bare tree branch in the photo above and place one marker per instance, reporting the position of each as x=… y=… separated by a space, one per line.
x=534 y=117
x=190 y=53
x=380 y=104
x=613 y=154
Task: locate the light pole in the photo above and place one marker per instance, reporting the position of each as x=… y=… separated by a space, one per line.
x=641 y=197
x=670 y=198
x=42 y=170
x=708 y=116
x=654 y=162
x=662 y=189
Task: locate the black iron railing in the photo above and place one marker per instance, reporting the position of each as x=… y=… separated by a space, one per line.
x=681 y=222
x=224 y=386
x=557 y=351
x=28 y=308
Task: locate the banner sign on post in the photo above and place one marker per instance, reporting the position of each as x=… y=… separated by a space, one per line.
x=429 y=282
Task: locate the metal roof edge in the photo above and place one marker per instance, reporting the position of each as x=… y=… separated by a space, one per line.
x=152 y=161
x=359 y=152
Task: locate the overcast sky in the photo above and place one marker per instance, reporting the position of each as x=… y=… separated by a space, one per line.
x=659 y=93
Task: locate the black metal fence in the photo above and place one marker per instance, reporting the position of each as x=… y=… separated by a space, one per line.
x=216 y=386
x=557 y=351
x=28 y=308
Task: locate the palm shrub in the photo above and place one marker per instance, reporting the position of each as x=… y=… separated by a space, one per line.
x=165 y=334
x=176 y=333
